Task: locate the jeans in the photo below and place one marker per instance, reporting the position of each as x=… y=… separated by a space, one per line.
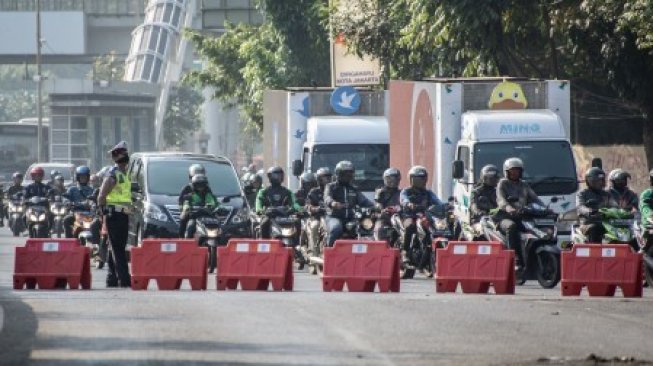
x=334 y=229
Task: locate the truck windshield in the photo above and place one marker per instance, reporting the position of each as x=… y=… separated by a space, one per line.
x=549 y=165
x=369 y=161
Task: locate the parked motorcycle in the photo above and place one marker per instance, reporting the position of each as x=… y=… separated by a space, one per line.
x=539 y=244
x=15 y=214
x=209 y=227
x=59 y=207
x=37 y=217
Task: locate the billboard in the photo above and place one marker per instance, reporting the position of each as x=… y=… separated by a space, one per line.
x=349 y=69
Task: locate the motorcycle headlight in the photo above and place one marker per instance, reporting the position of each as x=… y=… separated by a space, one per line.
x=33 y=217
x=623 y=234
x=287 y=231
x=86 y=224
x=212 y=233
x=42 y=217
x=153 y=212
x=350 y=225
x=441 y=224
x=367 y=223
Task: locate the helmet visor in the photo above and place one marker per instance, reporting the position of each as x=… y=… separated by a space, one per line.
x=346 y=176
x=324 y=179
x=418 y=182
x=275 y=178
x=391 y=181
x=491 y=180
x=596 y=183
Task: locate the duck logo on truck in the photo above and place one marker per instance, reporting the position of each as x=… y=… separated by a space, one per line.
x=507 y=95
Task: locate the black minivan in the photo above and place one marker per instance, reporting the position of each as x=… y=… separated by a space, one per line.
x=159 y=178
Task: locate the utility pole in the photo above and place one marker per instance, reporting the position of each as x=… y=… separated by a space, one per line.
x=39 y=107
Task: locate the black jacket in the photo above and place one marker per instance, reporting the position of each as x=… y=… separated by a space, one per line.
x=345 y=194
x=482 y=207
x=386 y=197
x=627 y=199
x=602 y=197
x=301 y=197
x=36 y=190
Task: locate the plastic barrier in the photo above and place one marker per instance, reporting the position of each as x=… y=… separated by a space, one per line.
x=52 y=264
x=476 y=266
x=255 y=264
x=361 y=265
x=601 y=268
x=169 y=261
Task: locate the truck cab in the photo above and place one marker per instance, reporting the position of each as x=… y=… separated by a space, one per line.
x=537 y=137
x=363 y=140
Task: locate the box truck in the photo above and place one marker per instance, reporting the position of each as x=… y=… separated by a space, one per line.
x=306 y=129
x=454 y=127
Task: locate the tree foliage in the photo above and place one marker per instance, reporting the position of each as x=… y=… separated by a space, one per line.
x=107 y=67
x=183 y=116
x=290 y=48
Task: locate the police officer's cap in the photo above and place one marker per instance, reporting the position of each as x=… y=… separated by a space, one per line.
x=120 y=147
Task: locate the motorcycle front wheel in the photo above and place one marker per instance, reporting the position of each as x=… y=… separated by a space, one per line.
x=213 y=258
x=548 y=271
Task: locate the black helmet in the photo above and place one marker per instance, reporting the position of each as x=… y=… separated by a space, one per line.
x=275 y=175
x=619 y=178
x=258 y=179
x=345 y=172
x=595 y=178
x=489 y=175
x=418 y=177
x=307 y=181
x=391 y=177
x=512 y=163
x=199 y=181
x=324 y=176
x=17 y=175
x=196 y=169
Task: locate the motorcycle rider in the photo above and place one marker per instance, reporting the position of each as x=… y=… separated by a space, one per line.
x=588 y=203
x=57 y=188
x=275 y=195
x=340 y=199
x=37 y=188
x=79 y=194
x=315 y=206
x=307 y=182
x=484 y=196
x=646 y=207
x=386 y=200
x=53 y=174
x=193 y=170
x=414 y=199
x=513 y=195
x=626 y=199
x=200 y=196
x=17 y=186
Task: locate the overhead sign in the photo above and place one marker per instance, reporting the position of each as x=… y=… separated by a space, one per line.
x=345 y=100
x=349 y=69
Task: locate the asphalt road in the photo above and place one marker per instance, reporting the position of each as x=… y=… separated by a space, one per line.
x=309 y=327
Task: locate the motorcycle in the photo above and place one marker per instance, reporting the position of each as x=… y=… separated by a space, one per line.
x=38 y=223
x=59 y=209
x=431 y=224
x=209 y=226
x=539 y=244
x=618 y=225
x=15 y=213
x=84 y=217
x=283 y=226
x=359 y=227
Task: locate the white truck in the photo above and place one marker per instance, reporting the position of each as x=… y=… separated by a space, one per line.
x=454 y=127
x=302 y=132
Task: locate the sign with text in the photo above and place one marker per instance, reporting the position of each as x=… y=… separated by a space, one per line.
x=349 y=69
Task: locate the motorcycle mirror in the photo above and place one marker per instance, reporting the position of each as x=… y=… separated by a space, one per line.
x=297 y=168
x=597 y=163
x=458 y=171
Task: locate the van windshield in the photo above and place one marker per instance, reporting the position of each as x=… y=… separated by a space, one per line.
x=549 y=165
x=168 y=177
x=369 y=161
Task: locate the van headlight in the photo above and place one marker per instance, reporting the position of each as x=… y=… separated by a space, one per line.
x=367 y=223
x=288 y=231
x=153 y=212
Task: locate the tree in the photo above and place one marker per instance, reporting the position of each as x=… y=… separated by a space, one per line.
x=17 y=92
x=290 y=48
x=183 y=116
x=107 y=67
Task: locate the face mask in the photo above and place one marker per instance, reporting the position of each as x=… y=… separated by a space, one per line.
x=123 y=159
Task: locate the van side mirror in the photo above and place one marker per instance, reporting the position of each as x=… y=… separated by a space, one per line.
x=297 y=168
x=226 y=199
x=458 y=169
x=597 y=163
x=136 y=188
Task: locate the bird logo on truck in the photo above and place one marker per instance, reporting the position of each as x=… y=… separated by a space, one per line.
x=508 y=95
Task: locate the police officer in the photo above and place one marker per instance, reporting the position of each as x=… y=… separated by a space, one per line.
x=513 y=194
x=79 y=194
x=484 y=195
x=624 y=197
x=341 y=198
x=588 y=203
x=307 y=182
x=386 y=200
x=193 y=170
x=115 y=201
x=275 y=195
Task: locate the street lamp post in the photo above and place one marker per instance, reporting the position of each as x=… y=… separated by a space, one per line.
x=39 y=107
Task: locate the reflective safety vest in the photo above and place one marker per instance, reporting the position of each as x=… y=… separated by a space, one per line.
x=121 y=194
